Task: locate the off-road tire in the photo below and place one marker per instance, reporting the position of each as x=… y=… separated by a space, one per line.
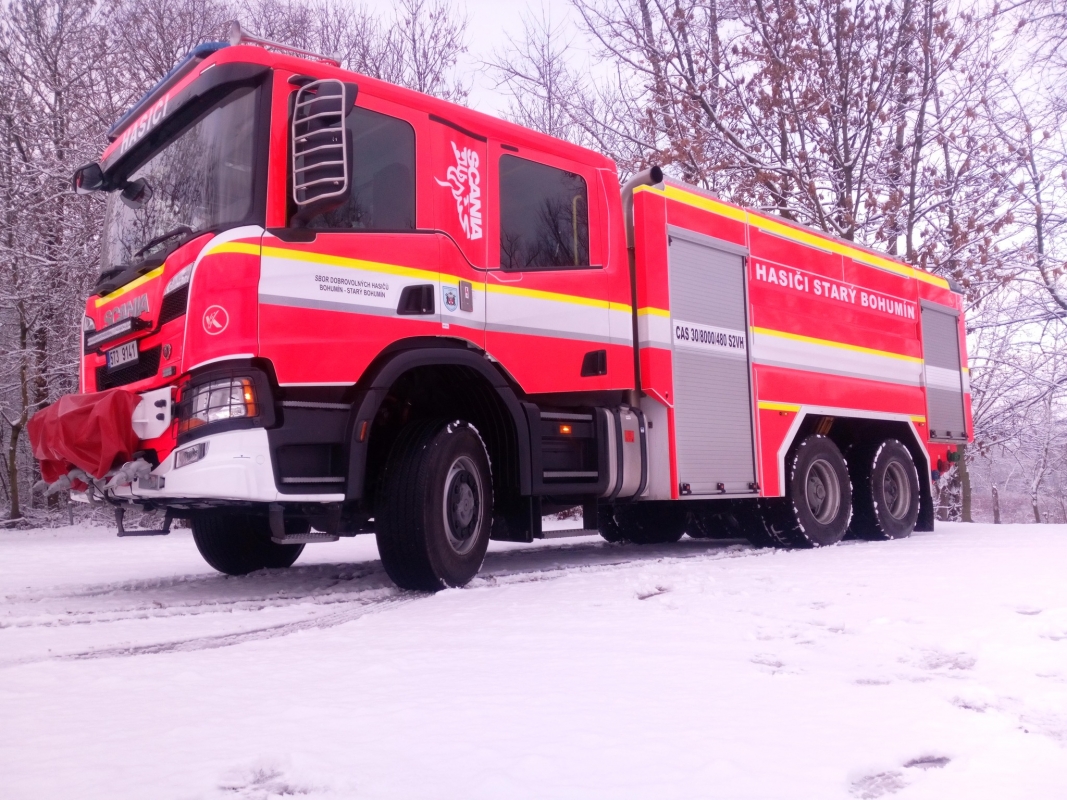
x=237 y=544
x=885 y=489
x=818 y=504
x=435 y=509
x=649 y=522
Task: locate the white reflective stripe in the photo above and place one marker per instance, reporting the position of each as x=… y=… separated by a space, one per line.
x=620 y=325
x=709 y=339
x=965 y=374
x=318 y=285
x=541 y=316
x=794 y=353
x=654 y=330
x=941 y=378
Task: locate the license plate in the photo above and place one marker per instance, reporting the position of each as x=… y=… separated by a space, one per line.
x=122 y=356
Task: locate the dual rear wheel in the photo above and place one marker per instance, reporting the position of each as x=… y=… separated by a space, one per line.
x=874 y=497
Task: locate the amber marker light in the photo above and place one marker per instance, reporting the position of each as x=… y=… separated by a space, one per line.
x=565 y=430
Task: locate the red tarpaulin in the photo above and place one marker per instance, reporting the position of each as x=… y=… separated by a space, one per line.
x=91 y=431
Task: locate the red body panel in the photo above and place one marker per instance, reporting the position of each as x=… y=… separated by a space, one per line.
x=834 y=327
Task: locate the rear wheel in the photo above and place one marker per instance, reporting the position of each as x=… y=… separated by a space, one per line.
x=435 y=510
x=237 y=544
x=644 y=523
x=818 y=504
x=886 y=492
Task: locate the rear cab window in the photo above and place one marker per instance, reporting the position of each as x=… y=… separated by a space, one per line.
x=544 y=216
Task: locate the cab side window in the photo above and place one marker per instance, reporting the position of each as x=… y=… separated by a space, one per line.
x=382 y=169
x=544 y=216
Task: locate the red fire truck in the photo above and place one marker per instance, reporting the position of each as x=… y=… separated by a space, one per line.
x=329 y=305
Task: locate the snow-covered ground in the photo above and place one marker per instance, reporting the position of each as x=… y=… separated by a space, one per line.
x=934 y=667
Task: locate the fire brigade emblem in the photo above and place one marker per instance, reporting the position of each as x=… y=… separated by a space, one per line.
x=450 y=297
x=465 y=181
x=215 y=320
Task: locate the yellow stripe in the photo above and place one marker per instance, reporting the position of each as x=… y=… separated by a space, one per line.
x=789 y=232
x=770 y=406
x=698 y=201
x=840 y=345
x=350 y=263
x=919 y=419
x=537 y=294
x=422 y=274
x=227 y=247
x=129 y=287
x=245 y=248
x=649 y=311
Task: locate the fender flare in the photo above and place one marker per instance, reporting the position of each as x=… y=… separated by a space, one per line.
x=373 y=388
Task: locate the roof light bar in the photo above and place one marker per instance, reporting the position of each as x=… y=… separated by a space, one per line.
x=238 y=36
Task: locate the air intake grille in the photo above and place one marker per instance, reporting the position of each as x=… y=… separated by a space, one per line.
x=174 y=305
x=146 y=367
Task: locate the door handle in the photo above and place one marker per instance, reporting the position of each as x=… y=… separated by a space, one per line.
x=416 y=300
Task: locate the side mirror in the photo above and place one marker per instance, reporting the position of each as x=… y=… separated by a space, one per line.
x=320 y=144
x=136 y=193
x=88 y=179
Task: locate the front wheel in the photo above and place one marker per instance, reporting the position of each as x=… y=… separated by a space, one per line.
x=436 y=507
x=237 y=544
x=818 y=504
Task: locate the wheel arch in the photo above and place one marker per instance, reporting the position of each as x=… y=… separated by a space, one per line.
x=853 y=427
x=441 y=377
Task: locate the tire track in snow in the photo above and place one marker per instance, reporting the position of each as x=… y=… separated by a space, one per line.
x=216 y=641
x=502 y=569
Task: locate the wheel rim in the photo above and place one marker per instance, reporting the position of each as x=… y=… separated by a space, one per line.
x=822 y=491
x=896 y=490
x=462 y=505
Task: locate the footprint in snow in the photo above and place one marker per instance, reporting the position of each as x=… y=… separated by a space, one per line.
x=873 y=786
x=936 y=659
x=653 y=593
x=261 y=781
x=927 y=762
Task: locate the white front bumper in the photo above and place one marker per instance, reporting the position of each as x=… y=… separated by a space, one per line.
x=236 y=466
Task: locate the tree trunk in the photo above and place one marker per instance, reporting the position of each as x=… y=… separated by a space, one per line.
x=1033 y=505
x=13 y=471
x=965 y=486
x=996 y=505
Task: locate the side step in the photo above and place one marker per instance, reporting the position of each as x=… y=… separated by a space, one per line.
x=279 y=535
x=121 y=512
x=311 y=537
x=567 y=533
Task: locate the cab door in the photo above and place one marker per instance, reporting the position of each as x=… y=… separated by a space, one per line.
x=547 y=293
x=337 y=288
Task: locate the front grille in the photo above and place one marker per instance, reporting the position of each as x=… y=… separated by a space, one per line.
x=174 y=305
x=146 y=367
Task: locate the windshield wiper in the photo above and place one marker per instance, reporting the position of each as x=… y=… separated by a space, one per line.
x=181 y=230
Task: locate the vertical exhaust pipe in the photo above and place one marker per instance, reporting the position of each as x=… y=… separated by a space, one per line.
x=649 y=177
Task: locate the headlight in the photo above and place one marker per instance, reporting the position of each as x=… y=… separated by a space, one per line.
x=87 y=324
x=180 y=279
x=230 y=398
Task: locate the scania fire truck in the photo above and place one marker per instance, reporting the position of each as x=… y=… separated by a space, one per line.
x=329 y=306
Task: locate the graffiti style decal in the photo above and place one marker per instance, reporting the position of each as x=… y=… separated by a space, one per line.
x=465 y=181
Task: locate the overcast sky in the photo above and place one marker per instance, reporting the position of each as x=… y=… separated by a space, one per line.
x=490 y=22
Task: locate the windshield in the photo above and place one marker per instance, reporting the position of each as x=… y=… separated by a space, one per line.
x=202 y=179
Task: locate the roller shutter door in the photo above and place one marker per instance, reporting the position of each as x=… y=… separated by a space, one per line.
x=944 y=379
x=712 y=400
